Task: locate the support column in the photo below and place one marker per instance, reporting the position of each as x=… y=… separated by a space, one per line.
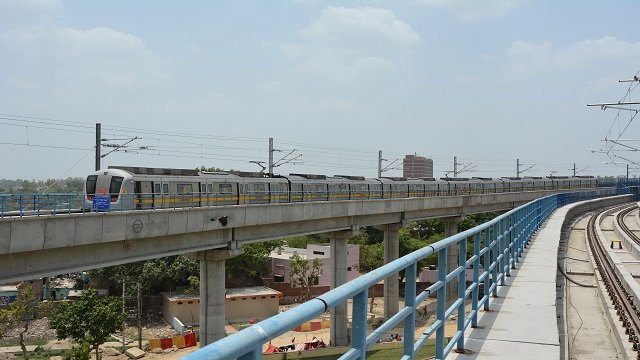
x=212 y=293
x=338 y=331
x=391 y=283
x=450 y=229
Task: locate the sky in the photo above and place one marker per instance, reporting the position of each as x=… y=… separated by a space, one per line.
x=181 y=84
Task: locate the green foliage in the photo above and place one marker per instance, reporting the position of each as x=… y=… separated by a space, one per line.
x=154 y=275
x=68 y=185
x=305 y=273
x=194 y=285
x=253 y=261
x=21 y=313
x=474 y=220
x=300 y=242
x=425 y=229
x=90 y=319
x=371 y=235
x=371 y=257
x=80 y=351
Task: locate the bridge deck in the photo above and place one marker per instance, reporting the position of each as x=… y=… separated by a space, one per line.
x=522 y=323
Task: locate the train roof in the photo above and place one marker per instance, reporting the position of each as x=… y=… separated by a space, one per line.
x=311 y=176
x=394 y=178
x=139 y=170
x=248 y=174
x=350 y=177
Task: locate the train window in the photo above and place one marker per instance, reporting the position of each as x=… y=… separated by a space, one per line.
x=157 y=188
x=184 y=188
x=225 y=189
x=116 y=183
x=319 y=189
x=91 y=184
x=165 y=188
x=260 y=188
x=209 y=188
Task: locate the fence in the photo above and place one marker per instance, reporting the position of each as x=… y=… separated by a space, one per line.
x=497 y=246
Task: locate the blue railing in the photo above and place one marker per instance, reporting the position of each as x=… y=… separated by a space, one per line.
x=40 y=204
x=497 y=247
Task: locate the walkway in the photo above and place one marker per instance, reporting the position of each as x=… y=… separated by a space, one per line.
x=522 y=323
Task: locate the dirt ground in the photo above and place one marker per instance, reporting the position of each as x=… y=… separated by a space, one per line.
x=158 y=328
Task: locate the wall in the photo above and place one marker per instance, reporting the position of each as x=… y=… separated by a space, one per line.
x=242 y=309
x=186 y=308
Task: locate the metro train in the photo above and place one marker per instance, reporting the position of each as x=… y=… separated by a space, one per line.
x=128 y=188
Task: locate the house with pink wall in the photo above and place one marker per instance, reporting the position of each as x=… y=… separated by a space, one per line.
x=281 y=262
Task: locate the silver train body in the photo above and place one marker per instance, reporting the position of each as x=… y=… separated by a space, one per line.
x=128 y=188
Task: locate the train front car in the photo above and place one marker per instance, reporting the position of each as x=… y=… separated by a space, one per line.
x=110 y=189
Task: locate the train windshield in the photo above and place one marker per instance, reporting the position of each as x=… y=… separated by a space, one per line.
x=114 y=187
x=91 y=184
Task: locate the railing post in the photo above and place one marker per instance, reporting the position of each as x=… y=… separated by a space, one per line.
x=494 y=260
x=462 y=277
x=476 y=280
x=359 y=323
x=441 y=302
x=513 y=240
x=410 y=301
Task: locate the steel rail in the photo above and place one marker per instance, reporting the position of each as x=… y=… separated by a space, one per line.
x=618 y=293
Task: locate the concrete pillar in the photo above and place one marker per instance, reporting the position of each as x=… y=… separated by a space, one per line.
x=212 y=293
x=450 y=229
x=391 y=284
x=338 y=331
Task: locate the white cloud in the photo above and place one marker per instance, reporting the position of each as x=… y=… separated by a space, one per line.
x=350 y=44
x=99 y=55
x=340 y=24
x=472 y=10
x=605 y=52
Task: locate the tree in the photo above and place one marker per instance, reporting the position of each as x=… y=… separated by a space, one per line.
x=253 y=261
x=371 y=258
x=160 y=274
x=305 y=274
x=194 y=285
x=90 y=319
x=301 y=242
x=21 y=313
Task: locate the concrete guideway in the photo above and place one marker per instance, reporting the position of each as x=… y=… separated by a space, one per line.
x=32 y=247
x=523 y=320
x=589 y=328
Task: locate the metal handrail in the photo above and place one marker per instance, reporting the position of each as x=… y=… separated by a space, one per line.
x=498 y=245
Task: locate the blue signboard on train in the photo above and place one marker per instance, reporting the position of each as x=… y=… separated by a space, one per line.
x=101 y=203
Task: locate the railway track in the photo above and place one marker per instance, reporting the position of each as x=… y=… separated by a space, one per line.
x=617 y=290
x=620 y=219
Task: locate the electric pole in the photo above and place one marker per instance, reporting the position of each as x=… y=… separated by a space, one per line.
x=455 y=167
x=518 y=171
x=379 y=164
x=574 y=169
x=270 y=157
x=98 y=145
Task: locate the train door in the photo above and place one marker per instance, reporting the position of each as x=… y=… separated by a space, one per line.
x=144 y=195
x=157 y=195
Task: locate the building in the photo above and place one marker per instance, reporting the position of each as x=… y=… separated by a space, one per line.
x=241 y=305
x=251 y=303
x=281 y=262
x=414 y=166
